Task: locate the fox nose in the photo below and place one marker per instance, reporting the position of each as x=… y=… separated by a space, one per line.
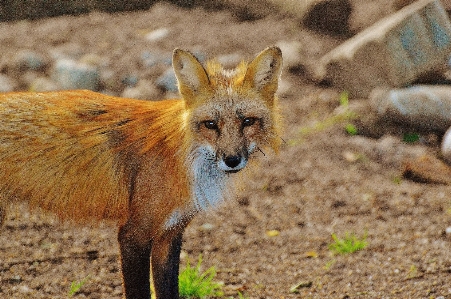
x=232 y=161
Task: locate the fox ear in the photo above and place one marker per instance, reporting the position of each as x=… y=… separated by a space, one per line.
x=191 y=76
x=264 y=71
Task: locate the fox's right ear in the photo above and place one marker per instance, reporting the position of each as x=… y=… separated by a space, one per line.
x=191 y=76
x=263 y=73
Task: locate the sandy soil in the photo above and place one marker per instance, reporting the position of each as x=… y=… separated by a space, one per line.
x=324 y=181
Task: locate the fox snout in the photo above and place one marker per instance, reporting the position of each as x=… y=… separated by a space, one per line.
x=232 y=163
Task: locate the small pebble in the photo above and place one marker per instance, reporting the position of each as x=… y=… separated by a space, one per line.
x=446 y=146
x=157 y=34
x=28 y=60
x=7 y=84
x=150 y=59
x=130 y=80
x=144 y=90
x=24 y=289
x=167 y=81
x=70 y=74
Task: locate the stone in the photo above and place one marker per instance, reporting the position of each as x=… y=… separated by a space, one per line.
x=144 y=90
x=421 y=106
x=157 y=34
x=149 y=59
x=427 y=169
x=167 y=81
x=7 y=84
x=71 y=74
x=29 y=60
x=393 y=52
x=325 y=16
x=446 y=146
x=130 y=80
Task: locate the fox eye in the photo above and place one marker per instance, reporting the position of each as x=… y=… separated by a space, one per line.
x=248 y=121
x=211 y=124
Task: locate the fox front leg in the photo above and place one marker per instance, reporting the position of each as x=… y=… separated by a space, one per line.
x=165 y=265
x=135 y=260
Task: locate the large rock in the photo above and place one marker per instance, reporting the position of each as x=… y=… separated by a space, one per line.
x=394 y=52
x=423 y=106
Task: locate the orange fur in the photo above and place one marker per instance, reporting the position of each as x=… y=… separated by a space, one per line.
x=73 y=152
x=151 y=166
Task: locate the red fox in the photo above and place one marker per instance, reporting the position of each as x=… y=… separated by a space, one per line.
x=149 y=165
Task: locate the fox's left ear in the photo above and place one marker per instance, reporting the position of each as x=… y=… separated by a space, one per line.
x=264 y=71
x=191 y=76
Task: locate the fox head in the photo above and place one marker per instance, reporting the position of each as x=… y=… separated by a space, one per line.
x=230 y=113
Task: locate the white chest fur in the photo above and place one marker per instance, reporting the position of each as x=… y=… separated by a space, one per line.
x=209 y=186
x=209 y=182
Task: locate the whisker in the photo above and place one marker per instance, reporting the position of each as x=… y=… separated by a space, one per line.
x=260 y=150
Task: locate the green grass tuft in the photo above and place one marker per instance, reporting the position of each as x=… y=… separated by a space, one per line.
x=351 y=129
x=241 y=296
x=411 y=137
x=75 y=286
x=194 y=284
x=344 y=98
x=349 y=244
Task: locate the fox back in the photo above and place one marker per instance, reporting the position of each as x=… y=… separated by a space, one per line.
x=150 y=165
x=75 y=152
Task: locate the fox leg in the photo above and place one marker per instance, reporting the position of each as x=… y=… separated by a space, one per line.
x=135 y=259
x=165 y=265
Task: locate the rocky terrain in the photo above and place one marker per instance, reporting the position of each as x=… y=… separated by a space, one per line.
x=326 y=180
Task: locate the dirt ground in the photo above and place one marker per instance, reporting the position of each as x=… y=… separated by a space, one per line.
x=323 y=181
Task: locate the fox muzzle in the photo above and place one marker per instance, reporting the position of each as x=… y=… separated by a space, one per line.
x=232 y=164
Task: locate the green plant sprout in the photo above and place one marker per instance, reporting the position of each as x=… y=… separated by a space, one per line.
x=351 y=129
x=194 y=284
x=241 y=296
x=397 y=179
x=344 y=99
x=75 y=286
x=344 y=102
x=410 y=137
x=349 y=244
